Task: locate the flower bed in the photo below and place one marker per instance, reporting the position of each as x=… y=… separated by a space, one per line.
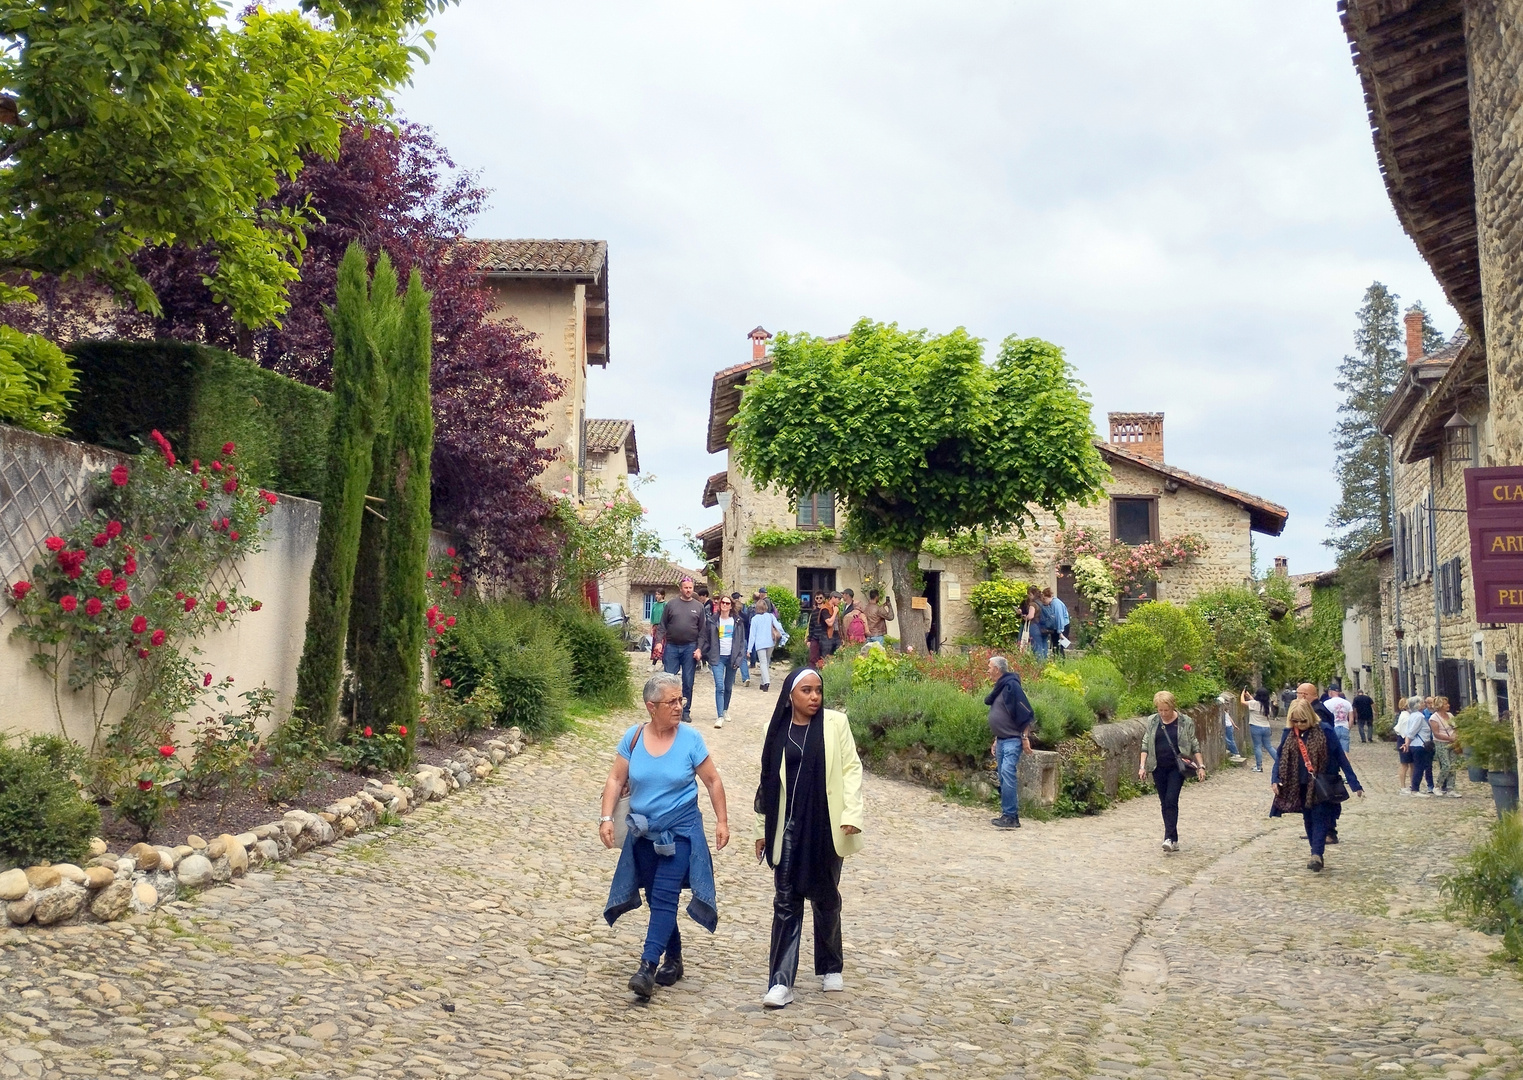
x=112 y=886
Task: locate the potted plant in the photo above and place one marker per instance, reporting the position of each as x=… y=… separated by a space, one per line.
x=1489 y=745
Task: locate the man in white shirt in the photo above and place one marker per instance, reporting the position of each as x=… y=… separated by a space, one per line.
x=1343 y=712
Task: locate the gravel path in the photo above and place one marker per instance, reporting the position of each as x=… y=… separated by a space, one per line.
x=470 y=943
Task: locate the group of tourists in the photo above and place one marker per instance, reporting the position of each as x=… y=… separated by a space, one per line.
x=808 y=818
x=1424 y=738
x=836 y=618
x=693 y=628
x=1044 y=624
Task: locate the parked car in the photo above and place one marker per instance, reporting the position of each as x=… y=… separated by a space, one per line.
x=615 y=619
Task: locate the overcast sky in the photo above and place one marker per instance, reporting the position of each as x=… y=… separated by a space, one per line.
x=1183 y=196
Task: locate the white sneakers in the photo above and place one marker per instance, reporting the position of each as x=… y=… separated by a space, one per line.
x=1171 y=845
x=719 y=722
x=1455 y=795
x=832 y=983
x=778 y=996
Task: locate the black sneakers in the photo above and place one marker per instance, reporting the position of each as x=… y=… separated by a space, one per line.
x=1003 y=822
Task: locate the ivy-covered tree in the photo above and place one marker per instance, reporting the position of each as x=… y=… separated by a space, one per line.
x=917 y=436
x=350 y=445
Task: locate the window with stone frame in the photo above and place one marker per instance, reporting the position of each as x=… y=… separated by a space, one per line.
x=1134 y=520
x=817 y=511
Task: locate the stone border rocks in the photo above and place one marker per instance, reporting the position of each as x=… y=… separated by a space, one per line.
x=111 y=887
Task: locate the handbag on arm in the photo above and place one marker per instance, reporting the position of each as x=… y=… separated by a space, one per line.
x=1328 y=788
x=621 y=808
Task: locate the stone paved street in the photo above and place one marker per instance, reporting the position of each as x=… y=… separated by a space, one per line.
x=469 y=942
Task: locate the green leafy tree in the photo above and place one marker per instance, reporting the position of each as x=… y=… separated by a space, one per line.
x=350 y=445
x=917 y=436
x=125 y=124
x=597 y=539
x=1239 y=644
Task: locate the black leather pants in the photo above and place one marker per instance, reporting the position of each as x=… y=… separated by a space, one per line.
x=788 y=921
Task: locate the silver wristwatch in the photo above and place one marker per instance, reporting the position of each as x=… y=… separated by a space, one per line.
x=603 y=819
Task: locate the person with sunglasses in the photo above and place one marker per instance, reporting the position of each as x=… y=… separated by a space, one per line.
x=725 y=645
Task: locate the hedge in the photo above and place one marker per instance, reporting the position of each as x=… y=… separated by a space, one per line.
x=200 y=398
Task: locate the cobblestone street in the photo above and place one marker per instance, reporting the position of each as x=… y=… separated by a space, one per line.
x=469 y=942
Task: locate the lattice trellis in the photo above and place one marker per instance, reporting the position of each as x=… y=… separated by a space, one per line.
x=44 y=491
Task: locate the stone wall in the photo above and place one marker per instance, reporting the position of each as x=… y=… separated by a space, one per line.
x=1121 y=743
x=1495 y=55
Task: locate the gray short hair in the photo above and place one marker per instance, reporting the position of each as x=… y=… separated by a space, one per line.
x=1414 y=703
x=1001 y=663
x=659 y=681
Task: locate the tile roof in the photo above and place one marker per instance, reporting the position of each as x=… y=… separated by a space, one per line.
x=659 y=572
x=569 y=258
x=1263 y=516
x=610 y=436
x=720 y=481
x=724 y=400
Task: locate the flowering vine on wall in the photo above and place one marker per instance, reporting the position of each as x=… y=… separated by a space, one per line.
x=1132 y=569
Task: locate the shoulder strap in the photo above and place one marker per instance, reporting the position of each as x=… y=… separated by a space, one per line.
x=1305 y=757
x=636 y=740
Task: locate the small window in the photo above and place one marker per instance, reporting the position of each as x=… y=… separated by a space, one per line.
x=1132 y=521
x=817 y=511
x=595 y=462
x=650 y=605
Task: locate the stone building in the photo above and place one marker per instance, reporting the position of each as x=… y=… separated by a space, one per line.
x=1443 y=83
x=558 y=290
x=643 y=578
x=764 y=540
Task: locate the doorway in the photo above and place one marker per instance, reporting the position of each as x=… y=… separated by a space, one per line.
x=932 y=594
x=813 y=582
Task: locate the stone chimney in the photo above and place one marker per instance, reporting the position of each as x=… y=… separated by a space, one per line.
x=759 y=338
x=1139 y=432
x=1281 y=566
x=1414 y=321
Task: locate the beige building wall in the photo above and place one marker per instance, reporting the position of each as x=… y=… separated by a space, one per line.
x=555 y=311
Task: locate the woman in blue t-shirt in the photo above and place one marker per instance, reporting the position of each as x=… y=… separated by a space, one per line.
x=665 y=850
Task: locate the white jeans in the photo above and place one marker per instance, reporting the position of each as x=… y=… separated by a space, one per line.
x=764 y=661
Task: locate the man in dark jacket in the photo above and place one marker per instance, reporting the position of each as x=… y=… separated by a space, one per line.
x=683 y=624
x=1010 y=717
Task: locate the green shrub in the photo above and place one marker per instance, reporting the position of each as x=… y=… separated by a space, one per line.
x=939 y=716
x=43 y=816
x=201 y=397
x=1158 y=647
x=997 y=604
x=1489 y=742
x=520 y=647
x=1139 y=653
x=789 y=610
x=1488 y=887
x=1103 y=683
x=1239 y=643
x=874 y=668
x=1060 y=712
x=1082 y=790
x=599 y=664
x=838 y=678
x=36 y=382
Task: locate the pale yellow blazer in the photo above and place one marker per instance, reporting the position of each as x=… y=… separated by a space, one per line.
x=843 y=789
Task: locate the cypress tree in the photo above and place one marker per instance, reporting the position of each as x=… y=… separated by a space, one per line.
x=407 y=514
x=350 y=445
x=365 y=650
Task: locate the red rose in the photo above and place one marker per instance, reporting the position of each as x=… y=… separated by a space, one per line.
x=104 y=578
x=190 y=603
x=20 y=589
x=224 y=523
x=142 y=654
x=229 y=678
x=69 y=602
x=433 y=652
x=92 y=606
x=164 y=447
x=204 y=485
x=200 y=504
x=195 y=466
x=167 y=751
x=230 y=486
x=123 y=603
x=139 y=624
x=450 y=552
x=368 y=733
x=113 y=529
x=179 y=596
x=449 y=621
x=256 y=605
x=55 y=543
x=216 y=466
x=428 y=574
x=206 y=680
x=233 y=535
x=101 y=540
x=1188 y=668
x=119 y=476
x=221 y=606
x=119 y=585
x=145 y=785
x=269 y=497
x=157 y=638
x=227 y=448
x=402 y=730
x=130 y=566
x=445 y=683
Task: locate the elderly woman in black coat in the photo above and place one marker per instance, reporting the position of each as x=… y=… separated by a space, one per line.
x=1306 y=776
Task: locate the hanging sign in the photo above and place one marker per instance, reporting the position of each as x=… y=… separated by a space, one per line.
x=1494 y=512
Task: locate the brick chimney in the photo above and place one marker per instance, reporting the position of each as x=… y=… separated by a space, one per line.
x=1139 y=432
x=1281 y=566
x=1414 y=321
x=759 y=338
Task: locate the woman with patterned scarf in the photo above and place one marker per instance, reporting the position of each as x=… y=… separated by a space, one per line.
x=1306 y=776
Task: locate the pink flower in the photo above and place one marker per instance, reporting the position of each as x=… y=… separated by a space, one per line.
x=368 y=733
x=233 y=535
x=69 y=602
x=450 y=552
x=1188 y=668
x=450 y=621
x=206 y=680
x=200 y=504
x=428 y=573
x=256 y=605
x=445 y=683
x=230 y=486
x=195 y=466
x=119 y=476
x=216 y=466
